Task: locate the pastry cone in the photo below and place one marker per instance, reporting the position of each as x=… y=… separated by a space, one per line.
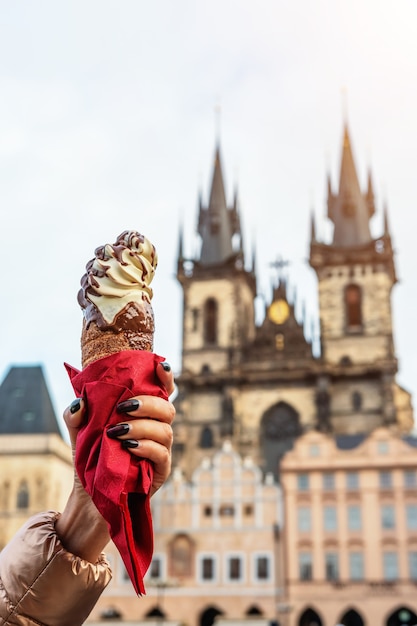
x=116 y=298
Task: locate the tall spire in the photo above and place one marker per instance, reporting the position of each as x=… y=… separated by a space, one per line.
x=350 y=210
x=217 y=223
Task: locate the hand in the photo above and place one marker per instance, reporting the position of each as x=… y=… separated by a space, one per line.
x=149 y=437
x=81 y=528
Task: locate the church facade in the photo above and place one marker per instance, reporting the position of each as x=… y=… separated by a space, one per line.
x=261 y=386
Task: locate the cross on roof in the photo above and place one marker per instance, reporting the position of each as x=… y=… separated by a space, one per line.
x=279 y=265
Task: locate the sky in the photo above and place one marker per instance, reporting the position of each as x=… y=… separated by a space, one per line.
x=109 y=117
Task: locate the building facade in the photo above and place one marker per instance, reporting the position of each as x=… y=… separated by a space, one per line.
x=350 y=529
x=217 y=548
x=36 y=470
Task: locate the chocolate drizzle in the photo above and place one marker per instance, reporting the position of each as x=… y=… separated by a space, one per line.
x=115 y=291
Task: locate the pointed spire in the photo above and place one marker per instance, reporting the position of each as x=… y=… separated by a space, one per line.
x=313 y=228
x=181 y=243
x=349 y=210
x=217 y=223
x=253 y=269
x=370 y=196
x=386 y=225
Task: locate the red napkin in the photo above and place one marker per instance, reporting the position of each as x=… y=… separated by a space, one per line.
x=117 y=482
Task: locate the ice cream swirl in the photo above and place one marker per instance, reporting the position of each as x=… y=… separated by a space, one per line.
x=115 y=290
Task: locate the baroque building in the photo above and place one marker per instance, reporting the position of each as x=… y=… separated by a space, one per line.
x=36 y=471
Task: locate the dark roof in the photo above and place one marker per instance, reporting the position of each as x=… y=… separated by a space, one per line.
x=348 y=442
x=25 y=403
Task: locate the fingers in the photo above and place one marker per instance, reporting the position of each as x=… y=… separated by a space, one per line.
x=74 y=416
x=149 y=439
x=143 y=429
x=166 y=376
x=148 y=406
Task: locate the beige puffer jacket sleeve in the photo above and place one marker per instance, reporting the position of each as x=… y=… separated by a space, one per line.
x=43 y=584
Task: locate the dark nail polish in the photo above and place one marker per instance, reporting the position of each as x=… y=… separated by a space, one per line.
x=166 y=366
x=75 y=405
x=127 y=406
x=116 y=431
x=130 y=443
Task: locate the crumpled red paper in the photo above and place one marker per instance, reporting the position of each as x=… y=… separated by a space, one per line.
x=118 y=482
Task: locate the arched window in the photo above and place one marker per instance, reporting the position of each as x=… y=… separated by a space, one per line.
x=280 y=425
x=181 y=552
x=206 y=438
x=4 y=496
x=356 y=401
x=353 y=307
x=210 y=321
x=310 y=618
x=351 y=618
x=22 y=500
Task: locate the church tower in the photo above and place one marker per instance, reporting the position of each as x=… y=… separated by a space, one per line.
x=356 y=274
x=219 y=293
x=218 y=320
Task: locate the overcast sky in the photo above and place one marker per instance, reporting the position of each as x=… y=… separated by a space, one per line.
x=107 y=123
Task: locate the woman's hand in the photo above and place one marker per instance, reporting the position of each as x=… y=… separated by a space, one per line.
x=149 y=434
x=81 y=528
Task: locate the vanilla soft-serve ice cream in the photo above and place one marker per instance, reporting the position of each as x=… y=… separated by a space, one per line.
x=115 y=297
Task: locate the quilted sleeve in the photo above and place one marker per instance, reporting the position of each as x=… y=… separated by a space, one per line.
x=42 y=583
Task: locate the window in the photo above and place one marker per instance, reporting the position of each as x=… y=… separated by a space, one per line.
x=410 y=478
x=314 y=450
x=210 y=321
x=155 y=570
x=22 y=500
x=411 y=516
x=385 y=480
x=388 y=516
x=305 y=566
x=390 y=564
x=303 y=482
x=234 y=568
x=352 y=481
x=248 y=509
x=356 y=401
x=382 y=447
x=227 y=510
x=353 y=307
x=206 y=438
x=194 y=313
x=207 y=568
x=207 y=510
x=412 y=565
x=356 y=566
x=181 y=555
x=330 y=518
x=262 y=567
x=304 y=519
x=328 y=481
x=331 y=566
x=354 y=517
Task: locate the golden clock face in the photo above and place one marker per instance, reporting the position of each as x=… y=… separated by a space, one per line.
x=279 y=311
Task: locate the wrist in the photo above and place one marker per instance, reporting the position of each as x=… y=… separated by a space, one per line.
x=80 y=528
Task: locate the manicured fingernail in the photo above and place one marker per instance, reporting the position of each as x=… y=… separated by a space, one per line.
x=116 y=431
x=166 y=366
x=75 y=405
x=130 y=443
x=127 y=406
